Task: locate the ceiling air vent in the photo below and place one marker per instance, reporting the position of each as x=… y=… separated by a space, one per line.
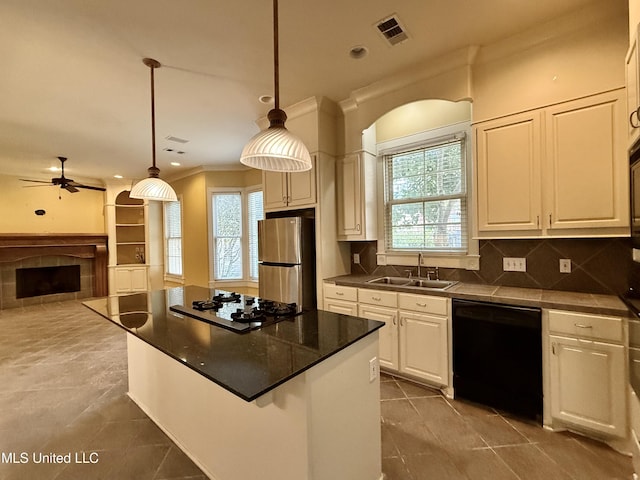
x=392 y=30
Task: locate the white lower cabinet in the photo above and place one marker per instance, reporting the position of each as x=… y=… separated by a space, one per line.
x=388 y=353
x=414 y=340
x=131 y=279
x=423 y=347
x=340 y=299
x=587 y=373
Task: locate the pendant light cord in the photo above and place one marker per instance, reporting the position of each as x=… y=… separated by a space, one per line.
x=276 y=63
x=153 y=119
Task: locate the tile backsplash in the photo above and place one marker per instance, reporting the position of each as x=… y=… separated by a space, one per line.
x=598 y=265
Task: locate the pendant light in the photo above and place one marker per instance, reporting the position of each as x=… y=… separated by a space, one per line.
x=153 y=188
x=276 y=149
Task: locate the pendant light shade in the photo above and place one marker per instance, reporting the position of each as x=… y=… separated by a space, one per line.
x=153 y=188
x=276 y=149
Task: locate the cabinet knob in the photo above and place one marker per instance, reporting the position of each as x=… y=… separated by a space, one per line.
x=340 y=294
x=421 y=304
x=358 y=227
x=401 y=322
x=377 y=299
x=394 y=320
x=580 y=325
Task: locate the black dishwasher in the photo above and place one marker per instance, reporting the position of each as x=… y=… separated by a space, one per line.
x=497 y=356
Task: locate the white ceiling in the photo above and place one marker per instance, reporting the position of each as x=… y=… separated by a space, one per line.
x=72 y=81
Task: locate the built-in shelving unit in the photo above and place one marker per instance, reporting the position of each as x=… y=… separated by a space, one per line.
x=128 y=249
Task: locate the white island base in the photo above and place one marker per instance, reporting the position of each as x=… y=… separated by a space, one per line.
x=323 y=424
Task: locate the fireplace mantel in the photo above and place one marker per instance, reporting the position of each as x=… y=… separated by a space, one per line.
x=18 y=246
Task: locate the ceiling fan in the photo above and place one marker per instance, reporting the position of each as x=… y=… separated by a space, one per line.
x=67 y=183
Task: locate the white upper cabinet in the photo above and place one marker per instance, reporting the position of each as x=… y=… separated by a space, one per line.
x=289 y=190
x=356 y=197
x=508 y=170
x=586 y=163
x=555 y=171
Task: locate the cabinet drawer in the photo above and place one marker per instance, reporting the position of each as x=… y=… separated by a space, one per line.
x=378 y=297
x=340 y=292
x=423 y=304
x=586 y=325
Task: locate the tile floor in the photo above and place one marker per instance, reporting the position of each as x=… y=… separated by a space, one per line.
x=64 y=380
x=426 y=436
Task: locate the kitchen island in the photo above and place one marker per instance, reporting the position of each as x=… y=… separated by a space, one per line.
x=292 y=400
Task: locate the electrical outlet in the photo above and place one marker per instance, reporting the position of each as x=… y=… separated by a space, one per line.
x=356 y=258
x=565 y=265
x=511 y=264
x=374 y=369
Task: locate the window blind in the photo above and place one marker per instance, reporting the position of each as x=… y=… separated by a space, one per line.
x=255 y=213
x=173 y=238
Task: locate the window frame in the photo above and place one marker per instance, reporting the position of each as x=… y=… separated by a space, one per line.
x=168 y=276
x=459 y=137
x=244 y=192
x=469 y=260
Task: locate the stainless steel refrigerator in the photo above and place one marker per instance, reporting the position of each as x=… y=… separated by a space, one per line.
x=286 y=252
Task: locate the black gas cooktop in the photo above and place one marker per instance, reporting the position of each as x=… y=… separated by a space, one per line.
x=239 y=313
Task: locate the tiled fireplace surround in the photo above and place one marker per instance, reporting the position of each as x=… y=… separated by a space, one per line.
x=26 y=251
x=597 y=265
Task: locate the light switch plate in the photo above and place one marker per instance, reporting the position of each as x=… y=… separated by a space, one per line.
x=374 y=369
x=565 y=265
x=514 y=264
x=356 y=258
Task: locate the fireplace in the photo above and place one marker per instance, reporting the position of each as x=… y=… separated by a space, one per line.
x=36 y=281
x=45 y=257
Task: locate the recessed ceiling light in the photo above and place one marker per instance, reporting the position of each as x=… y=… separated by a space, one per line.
x=117 y=176
x=267 y=99
x=358 y=52
x=175 y=164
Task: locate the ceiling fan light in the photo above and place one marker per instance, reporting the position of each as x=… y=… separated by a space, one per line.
x=153 y=188
x=276 y=149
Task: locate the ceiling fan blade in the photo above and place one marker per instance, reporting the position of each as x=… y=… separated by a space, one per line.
x=35 y=181
x=37 y=186
x=70 y=188
x=89 y=187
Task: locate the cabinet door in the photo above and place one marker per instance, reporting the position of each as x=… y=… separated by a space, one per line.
x=388 y=353
x=586 y=171
x=138 y=279
x=340 y=306
x=348 y=195
x=424 y=347
x=301 y=187
x=588 y=384
x=508 y=173
x=633 y=90
x=274 y=189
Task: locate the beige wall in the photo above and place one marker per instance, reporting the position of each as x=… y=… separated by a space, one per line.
x=195 y=221
x=81 y=212
x=570 y=57
x=579 y=60
x=420 y=116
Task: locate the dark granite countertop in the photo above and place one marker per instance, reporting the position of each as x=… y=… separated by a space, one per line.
x=529 y=297
x=246 y=364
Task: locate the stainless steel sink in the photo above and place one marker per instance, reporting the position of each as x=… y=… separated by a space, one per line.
x=432 y=284
x=414 y=282
x=390 y=281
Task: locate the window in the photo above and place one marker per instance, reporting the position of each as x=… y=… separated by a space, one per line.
x=255 y=213
x=425 y=198
x=227 y=235
x=173 y=238
x=235 y=235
